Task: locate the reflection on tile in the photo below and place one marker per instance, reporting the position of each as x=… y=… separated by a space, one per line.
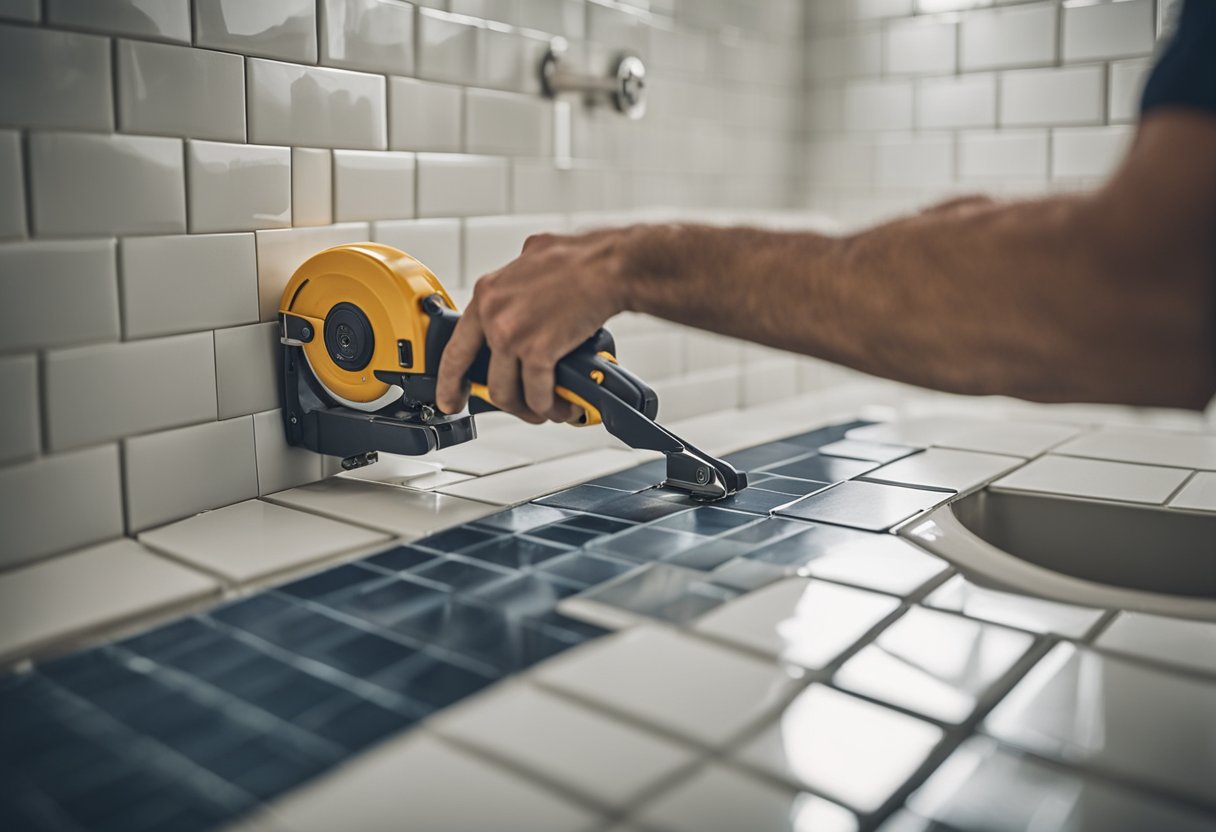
x=982 y=786
x=581 y=497
x=1197 y=495
x=1158 y=638
x=514 y=552
x=1095 y=479
x=401 y=558
x=843 y=747
x=1082 y=708
x=1015 y=438
x=647 y=543
x=670 y=593
x=219 y=540
x=645 y=506
x=683 y=684
x=391 y=600
x=875 y=561
x=458 y=538
x=585 y=569
x=933 y=663
x=786 y=485
x=761 y=456
x=527 y=595
x=1149 y=447
x=943 y=468
x=717 y=797
x=524 y=518
x=756 y=500
x=565 y=535
x=460 y=575
x=594 y=755
x=870 y=451
x=864 y=505
x=1035 y=614
x=746 y=575
x=706 y=520
x=331 y=582
x=808 y=623
x=822 y=468
x=435 y=795
x=713 y=553
x=635 y=479
x=520 y=484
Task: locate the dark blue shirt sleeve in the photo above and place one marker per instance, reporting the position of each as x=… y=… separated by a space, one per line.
x=1185 y=76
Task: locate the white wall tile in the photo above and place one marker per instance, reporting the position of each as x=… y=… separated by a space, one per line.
x=492 y=242
x=507 y=123
x=312 y=186
x=187 y=283
x=19 y=412
x=27 y=10
x=81 y=593
x=842 y=163
x=851 y=55
x=434 y=243
x=932 y=6
x=12 y=186
x=281 y=251
x=176 y=473
x=371 y=35
x=1009 y=37
x=424 y=115
x=280 y=466
x=314 y=106
x=180 y=91
x=1126 y=85
x=963 y=101
x=919 y=46
x=655 y=356
x=878 y=105
x=922 y=161
x=284 y=29
x=1013 y=154
x=452 y=185
x=54 y=79
x=448 y=47
x=155 y=19
x=247 y=360
x=881 y=8
x=74 y=178
x=238 y=187
x=373 y=185
x=36 y=277
x=1088 y=152
x=1108 y=30
x=1041 y=97
x=60 y=502
x=560 y=17
x=97 y=393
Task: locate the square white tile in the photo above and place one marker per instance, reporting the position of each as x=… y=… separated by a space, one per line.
x=84 y=270
x=1108 y=30
x=238 y=187
x=1148 y=447
x=1096 y=479
x=684 y=684
x=801 y=621
x=1199 y=494
x=83 y=592
x=869 y=506
x=1037 y=615
x=254 y=539
x=402 y=512
x=842 y=747
x=456 y=185
x=373 y=185
x=605 y=760
x=247 y=362
x=943 y=468
x=441 y=129
x=522 y=484
x=281 y=466
x=1158 y=638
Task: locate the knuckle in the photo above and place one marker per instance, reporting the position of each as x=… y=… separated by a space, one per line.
x=540 y=240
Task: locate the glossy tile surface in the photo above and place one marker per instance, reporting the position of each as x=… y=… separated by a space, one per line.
x=237 y=187
x=934 y=664
x=1037 y=615
x=1178 y=450
x=1085 y=709
x=1095 y=479
x=842 y=747
x=944 y=468
x=864 y=505
x=373 y=185
x=804 y=622
x=54 y=79
x=1014 y=438
x=1199 y=494
x=683 y=684
x=314 y=106
x=175 y=91
x=370 y=35
x=982 y=786
x=286 y=30
x=1157 y=638
x=668 y=593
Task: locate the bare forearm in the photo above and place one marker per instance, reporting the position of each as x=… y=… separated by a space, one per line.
x=1018 y=299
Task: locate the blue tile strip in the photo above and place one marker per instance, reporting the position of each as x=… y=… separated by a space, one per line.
x=196 y=722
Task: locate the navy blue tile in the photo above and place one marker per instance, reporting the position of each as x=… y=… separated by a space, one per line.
x=252 y=610
x=601 y=525
x=361 y=723
x=299 y=693
x=527 y=595
x=265 y=767
x=171 y=638
x=330 y=582
x=786 y=485
x=794 y=551
x=581 y=497
x=460 y=575
x=460 y=537
x=214 y=658
x=737 y=543
x=454 y=623
x=645 y=506
x=525 y=645
x=362 y=654
x=564 y=534
x=762 y=455
x=706 y=520
x=823 y=436
x=756 y=500
x=525 y=517
x=253 y=680
x=635 y=479
x=392 y=600
x=515 y=552
x=401 y=558
x=826 y=469
x=586 y=570
x=647 y=543
x=298 y=627
x=433 y=684
x=567 y=628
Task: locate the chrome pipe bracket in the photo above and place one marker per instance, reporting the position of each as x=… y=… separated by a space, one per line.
x=624 y=87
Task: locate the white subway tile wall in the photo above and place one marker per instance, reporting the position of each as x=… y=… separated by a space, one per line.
x=165 y=166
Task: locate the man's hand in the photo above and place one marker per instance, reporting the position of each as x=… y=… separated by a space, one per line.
x=532 y=312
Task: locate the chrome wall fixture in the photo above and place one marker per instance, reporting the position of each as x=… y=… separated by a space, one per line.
x=624 y=86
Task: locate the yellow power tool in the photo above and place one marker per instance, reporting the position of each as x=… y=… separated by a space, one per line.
x=363 y=327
